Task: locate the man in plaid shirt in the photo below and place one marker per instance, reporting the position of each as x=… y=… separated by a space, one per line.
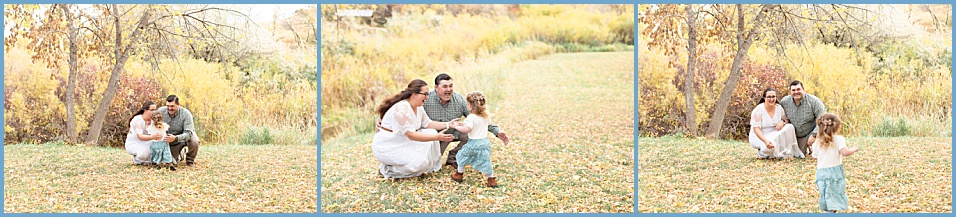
x=803 y=109
x=444 y=105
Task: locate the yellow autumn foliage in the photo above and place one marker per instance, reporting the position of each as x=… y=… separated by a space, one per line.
x=361 y=65
x=227 y=102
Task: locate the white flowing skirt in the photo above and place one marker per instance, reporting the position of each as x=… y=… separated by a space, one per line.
x=785 y=143
x=401 y=157
x=138 y=148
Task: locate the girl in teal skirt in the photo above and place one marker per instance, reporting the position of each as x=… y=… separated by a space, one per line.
x=829 y=150
x=159 y=152
x=477 y=152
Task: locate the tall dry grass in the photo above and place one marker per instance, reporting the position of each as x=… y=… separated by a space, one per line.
x=361 y=64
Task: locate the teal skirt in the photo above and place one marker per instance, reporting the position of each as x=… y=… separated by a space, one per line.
x=831 y=183
x=476 y=153
x=159 y=153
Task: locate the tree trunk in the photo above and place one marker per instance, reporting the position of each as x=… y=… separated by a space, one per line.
x=298 y=40
x=315 y=30
x=690 y=113
x=743 y=44
x=935 y=20
x=122 y=54
x=71 y=80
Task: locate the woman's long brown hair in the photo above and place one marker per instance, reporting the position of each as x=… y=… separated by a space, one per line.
x=141 y=110
x=413 y=87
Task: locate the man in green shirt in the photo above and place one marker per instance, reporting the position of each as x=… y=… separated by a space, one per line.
x=182 y=131
x=444 y=104
x=802 y=110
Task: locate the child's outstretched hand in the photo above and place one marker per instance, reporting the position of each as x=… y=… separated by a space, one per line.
x=458 y=127
x=453 y=123
x=849 y=151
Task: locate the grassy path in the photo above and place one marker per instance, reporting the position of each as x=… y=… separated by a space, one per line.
x=887 y=175
x=570 y=118
x=226 y=178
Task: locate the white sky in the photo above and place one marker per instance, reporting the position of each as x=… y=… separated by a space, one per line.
x=259 y=13
x=263 y=13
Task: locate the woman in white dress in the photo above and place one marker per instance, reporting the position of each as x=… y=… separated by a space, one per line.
x=769 y=132
x=137 y=139
x=408 y=143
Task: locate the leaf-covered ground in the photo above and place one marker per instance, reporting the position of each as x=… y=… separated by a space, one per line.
x=570 y=118
x=226 y=178
x=908 y=174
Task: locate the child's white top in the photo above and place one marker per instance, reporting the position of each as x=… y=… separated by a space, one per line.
x=152 y=130
x=479 y=126
x=831 y=156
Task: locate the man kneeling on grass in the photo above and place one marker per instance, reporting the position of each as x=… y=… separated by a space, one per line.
x=181 y=129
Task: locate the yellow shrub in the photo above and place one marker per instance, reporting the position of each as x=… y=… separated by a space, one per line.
x=658 y=99
x=832 y=74
x=31 y=101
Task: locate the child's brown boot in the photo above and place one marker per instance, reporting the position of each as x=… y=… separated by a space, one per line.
x=458 y=177
x=492 y=182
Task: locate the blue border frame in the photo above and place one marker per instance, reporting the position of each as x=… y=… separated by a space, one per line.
x=318 y=114
x=318 y=103
x=2 y=105
x=475 y=2
x=637 y=37
x=636 y=113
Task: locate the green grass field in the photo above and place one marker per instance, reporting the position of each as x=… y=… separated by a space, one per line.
x=906 y=174
x=226 y=178
x=570 y=118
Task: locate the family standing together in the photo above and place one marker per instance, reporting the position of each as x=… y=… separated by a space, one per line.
x=408 y=142
x=157 y=136
x=798 y=126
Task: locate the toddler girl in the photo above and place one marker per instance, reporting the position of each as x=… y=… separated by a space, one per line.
x=477 y=152
x=159 y=152
x=829 y=150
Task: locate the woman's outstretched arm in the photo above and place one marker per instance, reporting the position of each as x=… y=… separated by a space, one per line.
x=425 y=137
x=441 y=125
